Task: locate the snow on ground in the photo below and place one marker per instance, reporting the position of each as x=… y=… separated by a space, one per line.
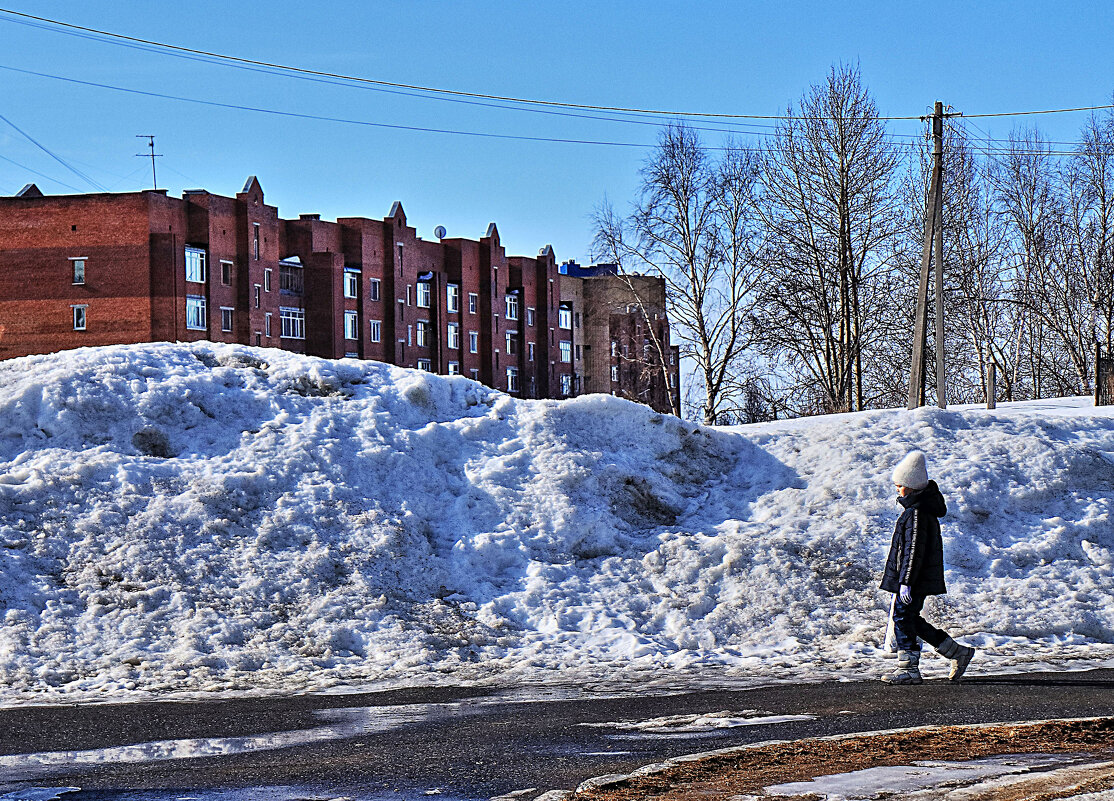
x=206 y=518
x=700 y=724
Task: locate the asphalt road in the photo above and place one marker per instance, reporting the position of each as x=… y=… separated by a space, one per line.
x=457 y=743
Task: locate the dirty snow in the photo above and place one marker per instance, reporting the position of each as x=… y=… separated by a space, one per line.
x=692 y=724
x=187 y=519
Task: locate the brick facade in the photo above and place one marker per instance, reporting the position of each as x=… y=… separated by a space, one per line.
x=104 y=269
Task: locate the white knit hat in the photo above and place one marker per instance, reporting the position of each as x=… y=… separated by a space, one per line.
x=911 y=471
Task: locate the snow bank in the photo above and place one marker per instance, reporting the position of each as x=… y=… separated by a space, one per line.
x=204 y=518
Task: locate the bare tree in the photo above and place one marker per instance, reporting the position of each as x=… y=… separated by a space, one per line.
x=694 y=225
x=831 y=208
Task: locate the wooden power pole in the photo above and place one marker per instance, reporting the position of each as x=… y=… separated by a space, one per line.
x=933 y=235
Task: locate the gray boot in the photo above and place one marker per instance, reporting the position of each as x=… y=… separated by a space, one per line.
x=908 y=669
x=960 y=656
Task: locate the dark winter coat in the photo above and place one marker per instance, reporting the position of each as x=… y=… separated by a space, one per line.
x=917 y=552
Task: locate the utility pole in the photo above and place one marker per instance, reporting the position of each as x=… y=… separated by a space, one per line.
x=933 y=230
x=152 y=155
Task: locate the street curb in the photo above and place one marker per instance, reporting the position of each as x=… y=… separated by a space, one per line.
x=614 y=779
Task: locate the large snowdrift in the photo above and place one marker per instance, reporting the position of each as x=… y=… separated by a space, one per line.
x=207 y=518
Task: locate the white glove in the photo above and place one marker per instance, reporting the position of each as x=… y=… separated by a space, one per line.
x=906 y=594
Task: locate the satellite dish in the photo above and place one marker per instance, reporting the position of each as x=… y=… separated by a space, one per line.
x=440 y=232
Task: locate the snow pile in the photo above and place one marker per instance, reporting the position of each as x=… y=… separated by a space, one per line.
x=195 y=518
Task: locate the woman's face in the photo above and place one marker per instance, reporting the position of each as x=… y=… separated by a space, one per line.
x=902 y=491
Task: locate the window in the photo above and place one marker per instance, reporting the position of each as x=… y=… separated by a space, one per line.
x=423 y=333
x=291 y=279
x=566 y=384
x=376 y=330
x=530 y=351
x=614 y=348
x=512 y=379
x=577 y=317
x=512 y=343
x=226 y=272
x=454 y=368
x=672 y=358
x=475 y=373
x=512 y=307
x=408 y=294
x=566 y=351
x=423 y=294
x=614 y=372
x=373 y=289
x=195 y=265
x=564 y=318
x=78 y=270
x=529 y=315
x=452 y=298
x=351 y=325
x=578 y=352
x=473 y=302
x=255 y=240
x=267 y=324
x=351 y=284
x=257 y=288
x=473 y=341
x=672 y=380
x=195 y=313
x=293 y=322
x=425 y=364
x=79 y=318
x=225 y=319
x=267 y=280
x=454 y=336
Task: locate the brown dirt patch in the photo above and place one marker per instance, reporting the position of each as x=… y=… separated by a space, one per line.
x=749 y=770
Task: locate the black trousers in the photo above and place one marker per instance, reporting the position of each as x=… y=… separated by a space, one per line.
x=909 y=625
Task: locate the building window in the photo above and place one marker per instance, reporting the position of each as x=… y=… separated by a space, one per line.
x=255 y=240
x=267 y=324
x=672 y=380
x=195 y=265
x=564 y=318
x=423 y=333
x=452 y=298
x=512 y=307
x=576 y=316
x=376 y=330
x=475 y=373
x=473 y=302
x=453 y=338
x=454 y=368
x=226 y=273
x=407 y=294
x=409 y=335
x=614 y=372
x=512 y=379
x=672 y=358
x=351 y=284
x=425 y=364
x=566 y=351
x=225 y=319
x=566 y=384
x=423 y=294
x=78 y=270
x=266 y=280
x=373 y=289
x=195 y=313
x=351 y=325
x=512 y=343
x=79 y=317
x=473 y=341
x=291 y=278
x=530 y=351
x=578 y=352
x=293 y=322
x=257 y=290
x=529 y=315
x=614 y=348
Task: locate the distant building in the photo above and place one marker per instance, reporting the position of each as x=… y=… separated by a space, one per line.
x=105 y=269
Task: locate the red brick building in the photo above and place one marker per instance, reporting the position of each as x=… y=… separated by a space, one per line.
x=104 y=269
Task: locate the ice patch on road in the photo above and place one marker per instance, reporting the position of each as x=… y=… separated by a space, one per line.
x=342 y=724
x=693 y=724
x=39 y=794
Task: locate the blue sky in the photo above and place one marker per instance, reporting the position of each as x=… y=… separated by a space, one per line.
x=727 y=57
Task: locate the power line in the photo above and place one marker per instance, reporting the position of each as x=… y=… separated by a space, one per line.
x=397 y=85
x=36 y=172
x=54 y=155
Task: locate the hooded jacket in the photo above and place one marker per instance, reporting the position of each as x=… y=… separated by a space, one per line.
x=917 y=551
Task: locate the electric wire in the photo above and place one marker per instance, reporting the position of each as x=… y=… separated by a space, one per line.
x=54 y=155
x=36 y=172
